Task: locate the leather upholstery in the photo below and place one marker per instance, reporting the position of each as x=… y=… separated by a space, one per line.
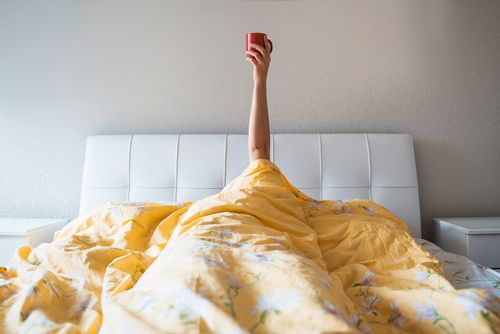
x=176 y=168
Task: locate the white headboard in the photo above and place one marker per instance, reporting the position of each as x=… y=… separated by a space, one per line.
x=189 y=167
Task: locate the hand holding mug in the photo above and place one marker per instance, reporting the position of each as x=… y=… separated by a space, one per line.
x=258 y=52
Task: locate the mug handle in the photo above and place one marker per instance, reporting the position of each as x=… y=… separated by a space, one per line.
x=270 y=42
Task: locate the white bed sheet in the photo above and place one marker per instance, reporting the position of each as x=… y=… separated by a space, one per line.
x=462 y=272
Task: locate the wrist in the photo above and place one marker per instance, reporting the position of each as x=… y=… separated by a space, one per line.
x=260 y=83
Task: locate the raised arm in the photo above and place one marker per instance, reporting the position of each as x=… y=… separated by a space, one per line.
x=258 y=128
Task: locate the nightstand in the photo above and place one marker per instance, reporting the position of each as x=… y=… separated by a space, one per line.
x=30 y=232
x=476 y=238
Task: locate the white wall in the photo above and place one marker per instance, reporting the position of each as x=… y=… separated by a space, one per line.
x=69 y=69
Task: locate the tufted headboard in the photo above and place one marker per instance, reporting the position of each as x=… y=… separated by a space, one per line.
x=180 y=168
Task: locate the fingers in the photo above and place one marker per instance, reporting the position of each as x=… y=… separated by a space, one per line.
x=257 y=56
x=253 y=61
x=263 y=51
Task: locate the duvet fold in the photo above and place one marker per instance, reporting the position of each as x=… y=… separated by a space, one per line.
x=258 y=257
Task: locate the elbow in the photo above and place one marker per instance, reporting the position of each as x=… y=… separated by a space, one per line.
x=258 y=152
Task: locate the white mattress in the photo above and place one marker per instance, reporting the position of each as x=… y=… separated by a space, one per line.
x=462 y=272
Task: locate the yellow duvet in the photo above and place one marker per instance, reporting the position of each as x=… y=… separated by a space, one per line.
x=258 y=257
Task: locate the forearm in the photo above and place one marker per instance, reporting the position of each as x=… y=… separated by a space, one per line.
x=258 y=130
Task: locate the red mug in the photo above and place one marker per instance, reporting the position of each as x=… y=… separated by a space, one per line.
x=256 y=38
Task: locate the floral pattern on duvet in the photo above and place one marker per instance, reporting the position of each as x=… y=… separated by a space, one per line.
x=259 y=257
x=462 y=272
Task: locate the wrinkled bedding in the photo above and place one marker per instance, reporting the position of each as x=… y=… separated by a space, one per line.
x=258 y=257
x=463 y=272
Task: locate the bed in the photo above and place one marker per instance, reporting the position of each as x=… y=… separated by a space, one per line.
x=380 y=167
x=220 y=265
